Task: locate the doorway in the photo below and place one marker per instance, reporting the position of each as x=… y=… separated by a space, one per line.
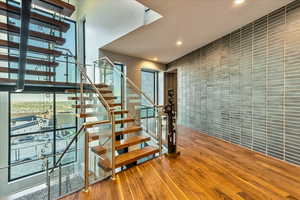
x=171 y=83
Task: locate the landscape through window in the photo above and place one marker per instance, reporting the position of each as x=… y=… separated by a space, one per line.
x=41 y=124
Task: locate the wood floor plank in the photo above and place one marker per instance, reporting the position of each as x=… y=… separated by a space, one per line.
x=207 y=169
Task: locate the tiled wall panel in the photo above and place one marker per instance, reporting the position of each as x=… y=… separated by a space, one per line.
x=245 y=87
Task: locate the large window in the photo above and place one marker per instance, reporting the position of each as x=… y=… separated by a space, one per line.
x=66 y=70
x=41 y=124
x=118 y=82
x=149 y=85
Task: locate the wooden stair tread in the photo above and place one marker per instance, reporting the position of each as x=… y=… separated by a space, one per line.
x=99 y=150
x=105 y=91
x=132 y=156
x=14 y=45
x=96 y=135
x=98 y=85
x=91 y=98
x=35 y=82
x=58 y=6
x=109 y=97
x=127 y=130
x=88 y=91
x=95 y=123
x=79 y=98
x=104 y=163
x=88 y=114
x=93 y=137
x=32 y=34
x=120 y=112
x=31 y=72
x=101 y=85
x=86 y=106
x=119 y=121
x=28 y=61
x=127 y=158
x=114 y=104
x=35 y=18
x=121 y=144
x=125 y=120
x=78 y=91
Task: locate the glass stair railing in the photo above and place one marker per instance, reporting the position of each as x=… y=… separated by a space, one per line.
x=65 y=179
x=116 y=132
x=142 y=108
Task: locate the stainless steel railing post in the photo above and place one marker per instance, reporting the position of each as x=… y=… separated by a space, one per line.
x=160 y=133
x=147 y=121
x=48 y=179
x=113 y=149
x=59 y=179
x=86 y=162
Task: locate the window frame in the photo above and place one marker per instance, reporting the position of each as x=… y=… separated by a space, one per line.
x=54 y=130
x=66 y=19
x=155 y=95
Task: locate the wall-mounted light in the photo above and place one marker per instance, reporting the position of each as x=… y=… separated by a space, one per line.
x=237 y=2
x=179 y=43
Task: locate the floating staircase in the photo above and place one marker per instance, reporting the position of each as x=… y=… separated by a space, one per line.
x=46 y=38
x=112 y=135
x=84 y=102
x=125 y=142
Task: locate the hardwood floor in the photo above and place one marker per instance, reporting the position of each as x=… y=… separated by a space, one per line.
x=207 y=169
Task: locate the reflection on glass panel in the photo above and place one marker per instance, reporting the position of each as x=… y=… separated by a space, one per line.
x=118 y=83
x=28 y=168
x=63 y=138
x=31 y=113
x=65 y=114
x=148 y=85
x=31 y=138
x=71 y=37
x=31 y=147
x=147 y=112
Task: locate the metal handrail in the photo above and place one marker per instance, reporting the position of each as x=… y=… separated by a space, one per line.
x=133 y=84
x=102 y=99
x=65 y=49
x=68 y=147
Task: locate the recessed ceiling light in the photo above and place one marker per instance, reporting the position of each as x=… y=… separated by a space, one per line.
x=179 y=43
x=155 y=59
x=237 y=2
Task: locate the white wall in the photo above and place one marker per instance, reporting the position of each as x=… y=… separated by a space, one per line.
x=134 y=65
x=107 y=20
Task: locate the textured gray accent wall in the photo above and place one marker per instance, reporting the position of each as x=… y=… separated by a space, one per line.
x=245 y=87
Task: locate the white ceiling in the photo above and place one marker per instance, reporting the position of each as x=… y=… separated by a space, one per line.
x=195 y=22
